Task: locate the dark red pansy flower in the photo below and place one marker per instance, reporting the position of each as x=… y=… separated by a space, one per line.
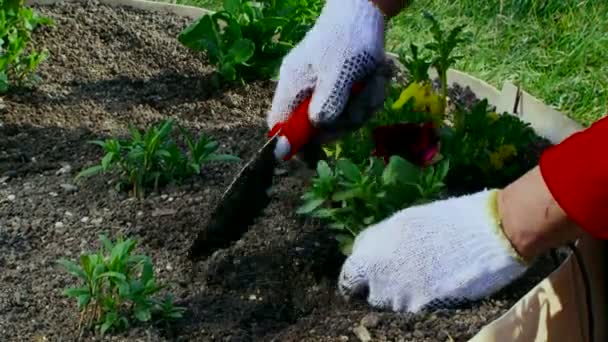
x=418 y=143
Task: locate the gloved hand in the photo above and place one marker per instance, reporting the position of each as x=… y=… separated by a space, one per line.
x=345 y=45
x=443 y=253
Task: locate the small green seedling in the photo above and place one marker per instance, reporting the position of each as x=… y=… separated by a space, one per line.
x=117 y=288
x=149 y=159
x=19 y=60
x=443 y=47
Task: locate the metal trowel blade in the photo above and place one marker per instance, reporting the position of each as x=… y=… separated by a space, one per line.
x=243 y=201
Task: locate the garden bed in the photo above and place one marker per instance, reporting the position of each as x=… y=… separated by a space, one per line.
x=109 y=68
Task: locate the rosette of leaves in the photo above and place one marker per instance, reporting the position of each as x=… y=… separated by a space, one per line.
x=19 y=59
x=247 y=39
x=117 y=288
x=349 y=197
x=152 y=158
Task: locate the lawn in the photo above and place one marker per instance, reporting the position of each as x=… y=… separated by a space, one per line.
x=556 y=50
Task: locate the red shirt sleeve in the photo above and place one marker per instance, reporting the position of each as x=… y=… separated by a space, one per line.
x=576 y=173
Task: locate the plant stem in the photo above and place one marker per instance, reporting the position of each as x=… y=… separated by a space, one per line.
x=444 y=89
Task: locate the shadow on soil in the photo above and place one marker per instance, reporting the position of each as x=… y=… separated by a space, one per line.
x=29 y=149
x=164 y=90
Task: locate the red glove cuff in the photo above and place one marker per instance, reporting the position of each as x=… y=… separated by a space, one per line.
x=576 y=173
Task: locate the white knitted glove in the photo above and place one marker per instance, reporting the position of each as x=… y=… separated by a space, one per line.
x=345 y=44
x=443 y=253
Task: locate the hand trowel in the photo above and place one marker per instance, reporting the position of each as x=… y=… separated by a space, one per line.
x=248 y=194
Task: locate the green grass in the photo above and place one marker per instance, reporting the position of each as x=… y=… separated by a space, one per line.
x=558 y=53
x=555 y=49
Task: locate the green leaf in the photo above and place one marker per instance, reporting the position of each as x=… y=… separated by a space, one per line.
x=91 y=171
x=324 y=213
x=228 y=72
x=109 y=321
x=442 y=169
x=142 y=313
x=203 y=35
x=112 y=274
x=310 y=206
x=147 y=273
x=323 y=169
x=400 y=171
x=124 y=288
x=349 y=170
x=73 y=268
x=347 y=194
x=76 y=291
x=4 y=83
x=346 y=243
x=107 y=160
x=241 y=51
x=232 y=6
x=84 y=300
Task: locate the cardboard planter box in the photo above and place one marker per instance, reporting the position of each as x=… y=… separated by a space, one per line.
x=557 y=308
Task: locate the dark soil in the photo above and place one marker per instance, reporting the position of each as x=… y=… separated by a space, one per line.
x=112 y=67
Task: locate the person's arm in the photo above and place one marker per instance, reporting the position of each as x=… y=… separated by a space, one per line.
x=531 y=218
x=391 y=8
x=562 y=198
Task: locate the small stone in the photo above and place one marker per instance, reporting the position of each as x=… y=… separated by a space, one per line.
x=280 y=172
x=163 y=212
x=362 y=334
x=69 y=187
x=170 y=199
x=418 y=334
x=68 y=214
x=169 y=267
x=343 y=338
x=64 y=169
x=370 y=320
x=84 y=219
x=11 y=197
x=140 y=213
x=53 y=194
x=252 y=297
x=59 y=225
x=97 y=221
x=164 y=197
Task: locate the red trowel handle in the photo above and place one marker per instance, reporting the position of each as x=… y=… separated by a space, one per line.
x=298 y=129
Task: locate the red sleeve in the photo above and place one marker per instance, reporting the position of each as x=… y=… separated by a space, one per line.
x=576 y=173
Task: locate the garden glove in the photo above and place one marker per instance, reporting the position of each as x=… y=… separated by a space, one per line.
x=345 y=45
x=440 y=254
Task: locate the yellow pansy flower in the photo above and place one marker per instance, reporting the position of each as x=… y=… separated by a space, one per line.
x=492 y=116
x=425 y=99
x=504 y=153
